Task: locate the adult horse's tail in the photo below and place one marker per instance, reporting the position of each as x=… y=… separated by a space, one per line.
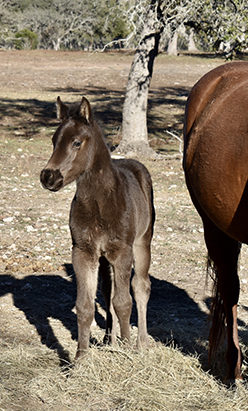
x=217 y=312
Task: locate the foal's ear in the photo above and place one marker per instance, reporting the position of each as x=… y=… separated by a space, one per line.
x=62 y=109
x=85 y=110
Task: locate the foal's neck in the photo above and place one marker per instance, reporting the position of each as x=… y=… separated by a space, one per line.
x=100 y=178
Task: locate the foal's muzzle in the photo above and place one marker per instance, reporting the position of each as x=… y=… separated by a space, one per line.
x=51 y=179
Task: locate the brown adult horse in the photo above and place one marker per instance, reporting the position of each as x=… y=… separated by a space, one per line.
x=216 y=170
x=111 y=222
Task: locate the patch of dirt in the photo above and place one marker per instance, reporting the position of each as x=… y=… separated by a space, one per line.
x=37 y=285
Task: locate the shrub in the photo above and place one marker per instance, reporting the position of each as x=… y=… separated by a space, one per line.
x=26 y=39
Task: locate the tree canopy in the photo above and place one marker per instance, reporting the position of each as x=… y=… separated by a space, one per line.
x=90 y=24
x=66 y=24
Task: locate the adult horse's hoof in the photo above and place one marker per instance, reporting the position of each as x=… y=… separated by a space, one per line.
x=234 y=382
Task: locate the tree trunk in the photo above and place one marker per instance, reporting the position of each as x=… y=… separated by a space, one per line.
x=191 y=42
x=172 y=46
x=134 y=116
x=56 y=44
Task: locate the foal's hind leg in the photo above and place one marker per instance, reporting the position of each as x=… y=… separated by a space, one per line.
x=224 y=251
x=107 y=290
x=122 y=301
x=141 y=287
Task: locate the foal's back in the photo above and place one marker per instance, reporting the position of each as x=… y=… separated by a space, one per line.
x=135 y=173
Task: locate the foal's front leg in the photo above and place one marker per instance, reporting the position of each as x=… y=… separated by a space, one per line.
x=86 y=271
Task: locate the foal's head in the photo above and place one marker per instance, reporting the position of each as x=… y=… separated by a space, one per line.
x=73 y=145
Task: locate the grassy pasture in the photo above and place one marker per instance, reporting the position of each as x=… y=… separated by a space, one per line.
x=38 y=330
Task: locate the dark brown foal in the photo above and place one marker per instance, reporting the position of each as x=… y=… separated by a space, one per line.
x=111 y=222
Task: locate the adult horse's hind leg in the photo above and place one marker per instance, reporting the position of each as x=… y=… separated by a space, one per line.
x=141 y=287
x=224 y=252
x=107 y=288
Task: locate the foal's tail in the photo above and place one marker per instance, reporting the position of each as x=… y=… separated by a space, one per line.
x=217 y=312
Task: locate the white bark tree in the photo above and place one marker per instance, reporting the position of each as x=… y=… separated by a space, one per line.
x=161 y=15
x=172 y=45
x=134 y=123
x=191 y=42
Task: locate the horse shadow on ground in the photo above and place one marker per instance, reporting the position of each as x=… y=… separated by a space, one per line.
x=173 y=317
x=41 y=297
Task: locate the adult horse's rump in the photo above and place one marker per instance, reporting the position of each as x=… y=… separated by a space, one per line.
x=216 y=170
x=111 y=222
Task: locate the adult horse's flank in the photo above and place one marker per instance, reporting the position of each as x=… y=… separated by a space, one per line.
x=216 y=170
x=111 y=222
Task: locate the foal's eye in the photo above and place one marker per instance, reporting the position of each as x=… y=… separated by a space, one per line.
x=76 y=143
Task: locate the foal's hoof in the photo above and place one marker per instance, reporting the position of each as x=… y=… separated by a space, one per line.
x=143 y=344
x=80 y=354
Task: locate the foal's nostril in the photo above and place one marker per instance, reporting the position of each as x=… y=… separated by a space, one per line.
x=47 y=177
x=51 y=179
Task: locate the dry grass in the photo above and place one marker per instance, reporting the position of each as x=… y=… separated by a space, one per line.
x=112 y=379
